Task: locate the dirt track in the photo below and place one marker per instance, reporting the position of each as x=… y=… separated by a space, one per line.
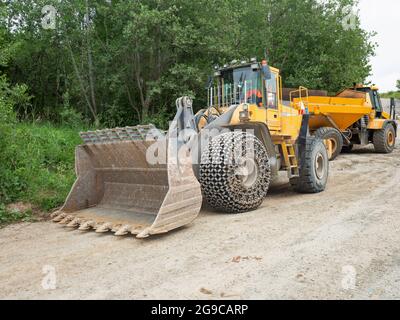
x=294 y=246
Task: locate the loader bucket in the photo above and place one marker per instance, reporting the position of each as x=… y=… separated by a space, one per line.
x=132 y=181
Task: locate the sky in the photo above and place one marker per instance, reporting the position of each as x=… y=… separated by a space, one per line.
x=383 y=16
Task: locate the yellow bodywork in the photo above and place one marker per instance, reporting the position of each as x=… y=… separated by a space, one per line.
x=282 y=122
x=376 y=124
x=341 y=112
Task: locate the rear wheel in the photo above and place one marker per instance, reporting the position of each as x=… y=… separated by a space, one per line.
x=314 y=170
x=235 y=172
x=385 y=139
x=334 y=137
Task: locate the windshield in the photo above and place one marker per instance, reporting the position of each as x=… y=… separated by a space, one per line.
x=376 y=101
x=241 y=85
x=240 y=76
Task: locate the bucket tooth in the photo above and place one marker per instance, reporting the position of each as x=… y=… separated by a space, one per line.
x=116 y=228
x=143 y=234
x=60 y=217
x=87 y=225
x=123 y=231
x=105 y=227
x=74 y=223
x=67 y=220
x=54 y=214
x=137 y=230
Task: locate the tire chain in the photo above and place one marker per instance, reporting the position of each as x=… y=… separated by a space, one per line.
x=222 y=189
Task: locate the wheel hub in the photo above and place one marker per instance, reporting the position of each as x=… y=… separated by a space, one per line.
x=333 y=144
x=247 y=172
x=390 y=138
x=319 y=166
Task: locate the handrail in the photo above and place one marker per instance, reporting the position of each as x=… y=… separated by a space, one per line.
x=300 y=92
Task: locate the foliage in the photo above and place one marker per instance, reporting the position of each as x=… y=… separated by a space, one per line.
x=11 y=98
x=9 y=216
x=37 y=164
x=393 y=94
x=125 y=62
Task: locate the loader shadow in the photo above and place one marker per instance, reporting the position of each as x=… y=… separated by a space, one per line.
x=360 y=151
x=279 y=189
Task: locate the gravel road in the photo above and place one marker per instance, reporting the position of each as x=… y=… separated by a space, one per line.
x=343 y=243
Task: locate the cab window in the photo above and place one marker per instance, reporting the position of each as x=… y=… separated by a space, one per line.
x=376 y=101
x=271 y=95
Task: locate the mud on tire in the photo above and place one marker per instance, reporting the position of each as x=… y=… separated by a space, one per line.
x=314 y=169
x=235 y=172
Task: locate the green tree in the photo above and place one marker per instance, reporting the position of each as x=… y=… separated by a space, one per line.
x=125 y=62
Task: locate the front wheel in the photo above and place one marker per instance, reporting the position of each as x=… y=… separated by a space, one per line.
x=385 y=139
x=314 y=169
x=235 y=172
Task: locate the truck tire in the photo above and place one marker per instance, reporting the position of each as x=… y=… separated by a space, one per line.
x=314 y=169
x=385 y=139
x=232 y=179
x=332 y=134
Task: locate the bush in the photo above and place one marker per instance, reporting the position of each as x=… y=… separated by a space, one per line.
x=13 y=98
x=36 y=160
x=71 y=118
x=37 y=164
x=9 y=216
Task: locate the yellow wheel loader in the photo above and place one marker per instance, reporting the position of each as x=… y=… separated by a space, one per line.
x=142 y=181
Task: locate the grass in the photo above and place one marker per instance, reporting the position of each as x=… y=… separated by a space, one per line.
x=36 y=167
x=8 y=216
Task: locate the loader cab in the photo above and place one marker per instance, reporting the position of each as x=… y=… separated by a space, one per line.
x=246 y=82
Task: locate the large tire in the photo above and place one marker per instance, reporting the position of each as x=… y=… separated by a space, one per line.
x=332 y=134
x=385 y=139
x=314 y=170
x=226 y=185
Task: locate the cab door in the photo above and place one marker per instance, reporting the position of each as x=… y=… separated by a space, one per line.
x=271 y=93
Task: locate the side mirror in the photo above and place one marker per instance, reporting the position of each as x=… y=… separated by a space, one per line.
x=266 y=72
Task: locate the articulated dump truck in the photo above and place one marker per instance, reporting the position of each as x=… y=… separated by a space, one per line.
x=143 y=181
x=355 y=116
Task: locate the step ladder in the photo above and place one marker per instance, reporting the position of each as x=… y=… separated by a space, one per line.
x=292 y=165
